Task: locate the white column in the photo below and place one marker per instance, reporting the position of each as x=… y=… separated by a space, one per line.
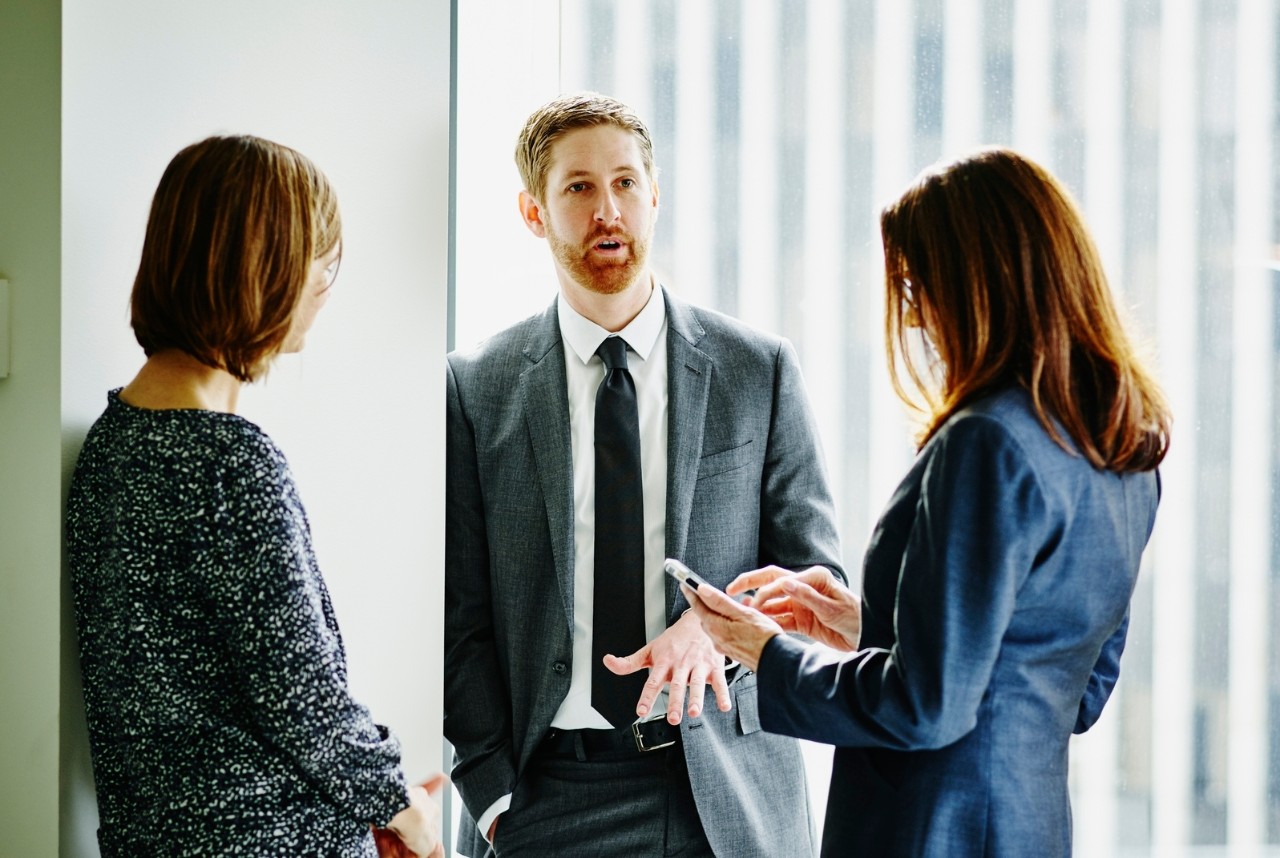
x=497 y=289
x=695 y=111
x=1033 y=79
x=572 y=50
x=758 y=165
x=1251 y=433
x=633 y=59
x=892 y=169
x=363 y=89
x=1095 y=756
x=1174 y=541
x=822 y=323
x=963 y=81
x=1104 y=171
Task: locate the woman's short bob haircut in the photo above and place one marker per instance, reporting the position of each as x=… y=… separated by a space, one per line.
x=990 y=257
x=235 y=225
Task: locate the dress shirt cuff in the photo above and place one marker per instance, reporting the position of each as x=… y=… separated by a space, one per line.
x=486 y=818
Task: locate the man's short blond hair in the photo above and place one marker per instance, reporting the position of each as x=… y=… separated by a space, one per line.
x=553 y=120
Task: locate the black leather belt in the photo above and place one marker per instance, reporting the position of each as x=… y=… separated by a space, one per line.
x=641 y=738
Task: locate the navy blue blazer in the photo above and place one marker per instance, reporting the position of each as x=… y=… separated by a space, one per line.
x=995 y=602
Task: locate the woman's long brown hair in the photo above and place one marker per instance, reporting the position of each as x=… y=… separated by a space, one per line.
x=992 y=257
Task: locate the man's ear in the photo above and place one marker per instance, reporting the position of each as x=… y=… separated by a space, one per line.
x=532 y=214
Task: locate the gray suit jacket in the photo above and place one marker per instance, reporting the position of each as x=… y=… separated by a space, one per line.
x=745 y=487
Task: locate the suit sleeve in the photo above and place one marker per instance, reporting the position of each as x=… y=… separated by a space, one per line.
x=477 y=711
x=797 y=514
x=978 y=519
x=1103 y=678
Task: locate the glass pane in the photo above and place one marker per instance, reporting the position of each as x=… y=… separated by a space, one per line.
x=781 y=127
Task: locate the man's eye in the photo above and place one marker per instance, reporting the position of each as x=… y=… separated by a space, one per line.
x=577 y=187
x=627 y=183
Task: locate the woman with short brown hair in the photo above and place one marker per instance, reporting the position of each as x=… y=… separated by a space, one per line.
x=215 y=683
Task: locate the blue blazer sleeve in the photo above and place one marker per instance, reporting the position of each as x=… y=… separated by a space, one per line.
x=978 y=519
x=1107 y=669
x=1102 y=679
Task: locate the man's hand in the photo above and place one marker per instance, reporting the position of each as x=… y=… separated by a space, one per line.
x=812 y=603
x=415 y=831
x=684 y=658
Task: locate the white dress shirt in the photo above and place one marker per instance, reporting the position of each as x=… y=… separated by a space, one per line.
x=584 y=370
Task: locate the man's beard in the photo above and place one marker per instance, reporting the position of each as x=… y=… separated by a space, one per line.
x=604 y=277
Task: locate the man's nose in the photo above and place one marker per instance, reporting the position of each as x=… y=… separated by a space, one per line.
x=607 y=208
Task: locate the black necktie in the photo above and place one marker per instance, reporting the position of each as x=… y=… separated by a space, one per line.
x=618 y=607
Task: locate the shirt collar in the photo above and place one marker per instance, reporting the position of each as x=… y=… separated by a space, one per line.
x=585 y=336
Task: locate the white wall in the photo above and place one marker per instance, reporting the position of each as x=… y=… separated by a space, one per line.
x=30 y=500
x=508 y=65
x=363 y=90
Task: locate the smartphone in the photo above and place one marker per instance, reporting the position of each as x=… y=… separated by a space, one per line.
x=683 y=573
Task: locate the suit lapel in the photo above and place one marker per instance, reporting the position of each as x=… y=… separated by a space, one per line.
x=546 y=408
x=688 y=388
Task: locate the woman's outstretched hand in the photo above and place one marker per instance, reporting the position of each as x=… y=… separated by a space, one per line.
x=812 y=603
x=737 y=630
x=415 y=831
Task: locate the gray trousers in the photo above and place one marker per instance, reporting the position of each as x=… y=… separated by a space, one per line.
x=634 y=807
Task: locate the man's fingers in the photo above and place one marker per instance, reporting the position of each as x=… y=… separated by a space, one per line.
x=697 y=690
x=649 y=693
x=675 y=700
x=623 y=665
x=720 y=686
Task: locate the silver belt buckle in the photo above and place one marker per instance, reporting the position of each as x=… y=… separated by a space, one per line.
x=639 y=737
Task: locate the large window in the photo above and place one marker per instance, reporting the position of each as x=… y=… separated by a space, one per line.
x=780 y=128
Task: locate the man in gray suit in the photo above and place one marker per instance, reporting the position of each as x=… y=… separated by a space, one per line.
x=555 y=550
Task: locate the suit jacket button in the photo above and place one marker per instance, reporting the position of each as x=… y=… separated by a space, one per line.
x=559 y=667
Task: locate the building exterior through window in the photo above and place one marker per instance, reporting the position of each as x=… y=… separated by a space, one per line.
x=782 y=126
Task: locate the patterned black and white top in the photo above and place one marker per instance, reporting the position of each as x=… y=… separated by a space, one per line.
x=215 y=679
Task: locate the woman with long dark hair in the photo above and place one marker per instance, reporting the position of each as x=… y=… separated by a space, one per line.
x=996 y=586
